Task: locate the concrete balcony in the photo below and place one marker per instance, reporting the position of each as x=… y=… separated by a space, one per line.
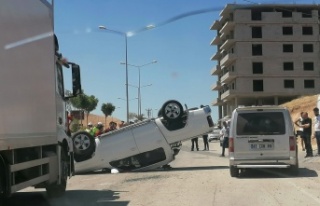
x=227 y=44
x=227 y=59
x=228 y=94
x=216 y=41
x=228 y=77
x=227 y=27
x=216 y=70
x=217 y=102
x=216 y=86
x=216 y=25
x=216 y=56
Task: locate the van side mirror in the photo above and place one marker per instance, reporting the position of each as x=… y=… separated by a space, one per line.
x=76 y=80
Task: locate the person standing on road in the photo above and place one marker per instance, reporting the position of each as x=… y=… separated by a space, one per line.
x=317 y=128
x=97 y=130
x=306 y=124
x=89 y=127
x=300 y=130
x=205 y=142
x=205 y=137
x=225 y=135
x=194 y=142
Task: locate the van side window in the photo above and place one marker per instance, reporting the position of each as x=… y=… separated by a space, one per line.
x=140 y=160
x=271 y=123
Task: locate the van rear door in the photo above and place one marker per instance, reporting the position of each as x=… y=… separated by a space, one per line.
x=261 y=134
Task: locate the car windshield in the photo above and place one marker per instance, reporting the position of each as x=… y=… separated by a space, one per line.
x=261 y=123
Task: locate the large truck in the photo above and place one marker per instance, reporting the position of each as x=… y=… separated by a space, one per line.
x=35 y=149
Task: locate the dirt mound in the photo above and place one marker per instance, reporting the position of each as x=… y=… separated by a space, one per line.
x=302 y=104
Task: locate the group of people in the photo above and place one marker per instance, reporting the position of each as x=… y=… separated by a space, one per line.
x=224 y=135
x=304 y=123
x=98 y=129
x=194 y=143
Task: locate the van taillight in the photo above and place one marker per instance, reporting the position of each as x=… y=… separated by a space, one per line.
x=231 y=144
x=292 y=143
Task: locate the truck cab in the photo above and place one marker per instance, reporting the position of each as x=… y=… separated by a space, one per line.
x=35 y=149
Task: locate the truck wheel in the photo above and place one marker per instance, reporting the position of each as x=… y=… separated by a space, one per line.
x=56 y=190
x=172 y=110
x=84 y=145
x=234 y=172
x=3 y=193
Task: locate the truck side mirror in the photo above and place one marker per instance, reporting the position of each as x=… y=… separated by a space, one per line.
x=76 y=81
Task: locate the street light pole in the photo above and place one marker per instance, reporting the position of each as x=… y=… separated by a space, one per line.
x=126 y=44
x=139 y=87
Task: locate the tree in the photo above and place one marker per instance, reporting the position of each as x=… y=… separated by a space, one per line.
x=140 y=117
x=132 y=115
x=91 y=104
x=84 y=102
x=107 y=110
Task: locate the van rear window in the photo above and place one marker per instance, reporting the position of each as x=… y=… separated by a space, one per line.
x=261 y=123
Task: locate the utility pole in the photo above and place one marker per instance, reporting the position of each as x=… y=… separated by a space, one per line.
x=149 y=112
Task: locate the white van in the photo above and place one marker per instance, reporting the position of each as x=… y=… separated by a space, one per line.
x=262 y=137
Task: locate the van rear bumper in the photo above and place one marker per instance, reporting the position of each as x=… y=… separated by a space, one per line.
x=263 y=163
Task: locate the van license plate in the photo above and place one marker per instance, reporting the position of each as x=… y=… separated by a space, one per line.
x=261 y=146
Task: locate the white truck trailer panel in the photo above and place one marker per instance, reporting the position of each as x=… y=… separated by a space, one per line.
x=27 y=74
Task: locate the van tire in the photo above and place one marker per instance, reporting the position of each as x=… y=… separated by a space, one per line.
x=172 y=110
x=234 y=172
x=84 y=145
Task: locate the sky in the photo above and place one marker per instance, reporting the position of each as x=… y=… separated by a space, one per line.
x=181 y=48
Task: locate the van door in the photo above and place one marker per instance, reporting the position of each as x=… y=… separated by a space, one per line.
x=261 y=134
x=148 y=137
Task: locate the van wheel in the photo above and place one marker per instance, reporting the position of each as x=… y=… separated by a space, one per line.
x=234 y=172
x=84 y=145
x=172 y=110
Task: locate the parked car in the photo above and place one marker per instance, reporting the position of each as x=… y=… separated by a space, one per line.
x=214 y=135
x=145 y=145
x=262 y=137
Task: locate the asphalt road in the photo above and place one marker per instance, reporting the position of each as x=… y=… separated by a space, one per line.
x=196 y=178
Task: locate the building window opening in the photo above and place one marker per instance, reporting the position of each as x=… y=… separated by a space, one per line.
x=308 y=48
x=288 y=66
x=287 y=48
x=289 y=83
x=309 y=84
x=258 y=85
x=287 y=30
x=256 y=32
x=286 y=13
x=307 y=30
x=308 y=66
x=256 y=15
x=256 y=49
x=257 y=68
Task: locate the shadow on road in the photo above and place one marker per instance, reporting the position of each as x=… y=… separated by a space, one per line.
x=71 y=198
x=193 y=168
x=276 y=173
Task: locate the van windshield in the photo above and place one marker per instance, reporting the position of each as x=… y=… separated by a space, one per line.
x=261 y=123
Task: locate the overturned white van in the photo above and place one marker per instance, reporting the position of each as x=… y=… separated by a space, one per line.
x=145 y=145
